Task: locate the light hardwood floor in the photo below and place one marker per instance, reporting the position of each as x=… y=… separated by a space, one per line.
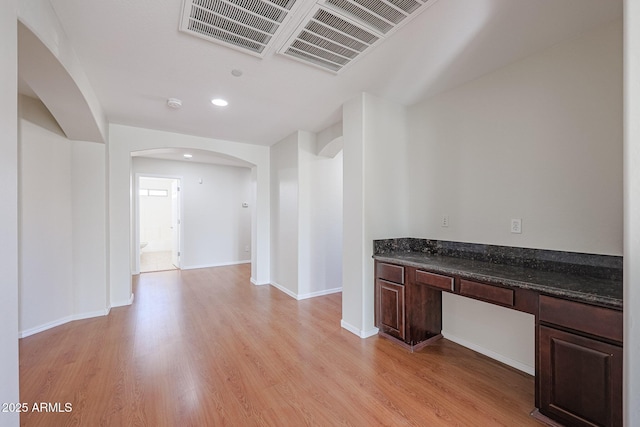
x=207 y=348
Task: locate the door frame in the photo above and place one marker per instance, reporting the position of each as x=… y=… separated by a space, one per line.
x=135 y=235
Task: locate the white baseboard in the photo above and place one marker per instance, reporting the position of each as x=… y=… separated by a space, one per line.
x=300 y=297
x=123 y=303
x=224 y=264
x=92 y=314
x=62 y=321
x=531 y=370
x=285 y=290
x=319 y=293
x=255 y=282
x=358 y=331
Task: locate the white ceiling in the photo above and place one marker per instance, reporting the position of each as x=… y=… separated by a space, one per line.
x=135 y=58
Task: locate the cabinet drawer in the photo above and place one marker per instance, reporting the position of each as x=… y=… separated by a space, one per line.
x=598 y=321
x=488 y=293
x=390 y=272
x=435 y=280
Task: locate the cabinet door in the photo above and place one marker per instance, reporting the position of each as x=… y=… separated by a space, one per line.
x=580 y=379
x=391 y=308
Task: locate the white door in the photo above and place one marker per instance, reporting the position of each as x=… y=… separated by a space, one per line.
x=175 y=223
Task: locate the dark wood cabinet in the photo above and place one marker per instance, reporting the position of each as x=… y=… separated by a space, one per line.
x=404 y=309
x=580 y=379
x=424 y=312
x=578 y=345
x=390 y=300
x=390 y=308
x=580 y=363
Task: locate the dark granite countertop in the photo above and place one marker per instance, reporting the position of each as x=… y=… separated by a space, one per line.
x=604 y=291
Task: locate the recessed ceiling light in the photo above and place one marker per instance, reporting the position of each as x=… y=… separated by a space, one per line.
x=219 y=102
x=187 y=156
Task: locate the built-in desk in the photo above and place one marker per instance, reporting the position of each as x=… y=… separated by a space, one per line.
x=576 y=300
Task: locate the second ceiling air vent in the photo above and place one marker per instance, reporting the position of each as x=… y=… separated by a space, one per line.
x=336 y=32
x=246 y=25
x=329 y=41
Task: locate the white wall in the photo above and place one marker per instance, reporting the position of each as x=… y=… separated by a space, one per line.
x=540 y=140
x=375 y=198
x=62 y=224
x=306 y=214
x=216 y=228
x=123 y=140
x=632 y=215
x=9 y=367
x=320 y=227
x=89 y=221
x=284 y=214
x=46 y=237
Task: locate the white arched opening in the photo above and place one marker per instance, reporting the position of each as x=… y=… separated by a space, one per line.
x=203 y=220
x=125 y=140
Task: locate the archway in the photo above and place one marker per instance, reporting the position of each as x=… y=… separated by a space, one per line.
x=215 y=210
x=125 y=140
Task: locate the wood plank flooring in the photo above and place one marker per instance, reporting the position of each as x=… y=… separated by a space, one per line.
x=207 y=348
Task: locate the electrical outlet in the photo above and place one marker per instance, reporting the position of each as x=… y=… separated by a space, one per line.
x=516 y=225
x=246 y=248
x=445 y=221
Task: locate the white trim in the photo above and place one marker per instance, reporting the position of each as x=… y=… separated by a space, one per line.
x=303 y=296
x=224 y=264
x=490 y=353
x=123 y=304
x=92 y=314
x=44 y=327
x=285 y=290
x=319 y=293
x=255 y=282
x=62 y=321
x=357 y=331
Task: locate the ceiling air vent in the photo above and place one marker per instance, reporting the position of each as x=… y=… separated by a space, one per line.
x=246 y=25
x=336 y=32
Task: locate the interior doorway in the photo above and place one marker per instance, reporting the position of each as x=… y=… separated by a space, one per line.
x=158 y=223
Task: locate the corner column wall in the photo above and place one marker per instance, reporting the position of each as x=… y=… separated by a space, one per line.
x=9 y=366
x=631 y=213
x=375 y=199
